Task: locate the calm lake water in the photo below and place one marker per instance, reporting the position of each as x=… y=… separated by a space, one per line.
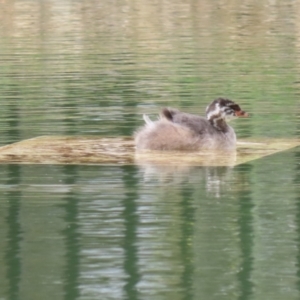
x=146 y=231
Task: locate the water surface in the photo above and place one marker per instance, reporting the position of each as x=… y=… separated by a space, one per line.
x=148 y=231
x=139 y=232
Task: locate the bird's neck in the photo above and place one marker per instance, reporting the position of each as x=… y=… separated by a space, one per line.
x=218 y=122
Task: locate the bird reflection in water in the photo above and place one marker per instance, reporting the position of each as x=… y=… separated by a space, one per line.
x=212 y=170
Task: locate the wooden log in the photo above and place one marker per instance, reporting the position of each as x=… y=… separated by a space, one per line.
x=120 y=150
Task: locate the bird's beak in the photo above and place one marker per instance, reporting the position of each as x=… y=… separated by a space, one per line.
x=241 y=113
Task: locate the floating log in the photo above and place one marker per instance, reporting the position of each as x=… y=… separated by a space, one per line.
x=120 y=150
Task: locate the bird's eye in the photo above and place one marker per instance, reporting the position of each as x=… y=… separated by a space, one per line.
x=229 y=111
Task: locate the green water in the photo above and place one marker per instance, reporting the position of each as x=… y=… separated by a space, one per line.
x=147 y=231
x=75 y=232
